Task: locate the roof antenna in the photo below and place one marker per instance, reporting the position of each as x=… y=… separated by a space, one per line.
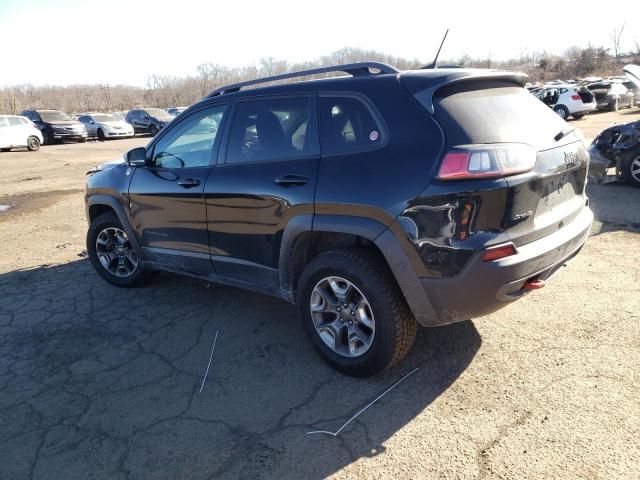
x=434 y=65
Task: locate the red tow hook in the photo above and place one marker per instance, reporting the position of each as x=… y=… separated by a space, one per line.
x=533 y=284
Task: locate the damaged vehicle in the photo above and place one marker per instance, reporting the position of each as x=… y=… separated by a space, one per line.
x=619 y=147
x=567 y=100
x=612 y=95
x=376 y=202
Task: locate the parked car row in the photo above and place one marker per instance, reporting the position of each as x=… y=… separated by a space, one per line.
x=35 y=127
x=577 y=98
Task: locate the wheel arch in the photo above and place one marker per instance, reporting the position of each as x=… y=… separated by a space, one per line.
x=98 y=204
x=307 y=236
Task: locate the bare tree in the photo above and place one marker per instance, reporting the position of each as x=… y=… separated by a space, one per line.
x=616 y=35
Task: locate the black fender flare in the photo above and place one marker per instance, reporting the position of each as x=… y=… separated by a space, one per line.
x=382 y=237
x=119 y=209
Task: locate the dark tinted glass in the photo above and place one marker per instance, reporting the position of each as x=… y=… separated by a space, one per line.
x=495 y=112
x=347 y=125
x=269 y=130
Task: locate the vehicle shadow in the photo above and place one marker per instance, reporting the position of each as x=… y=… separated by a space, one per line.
x=102 y=382
x=614 y=207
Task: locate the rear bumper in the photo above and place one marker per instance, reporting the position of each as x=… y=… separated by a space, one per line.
x=585 y=107
x=485 y=287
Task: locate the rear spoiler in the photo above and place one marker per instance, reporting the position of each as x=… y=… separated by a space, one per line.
x=424 y=85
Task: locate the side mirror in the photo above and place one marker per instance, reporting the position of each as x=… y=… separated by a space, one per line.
x=92 y=122
x=136 y=157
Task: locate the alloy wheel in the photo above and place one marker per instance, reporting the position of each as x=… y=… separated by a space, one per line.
x=115 y=252
x=342 y=316
x=635 y=169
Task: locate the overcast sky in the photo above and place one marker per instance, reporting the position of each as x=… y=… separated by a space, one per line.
x=122 y=41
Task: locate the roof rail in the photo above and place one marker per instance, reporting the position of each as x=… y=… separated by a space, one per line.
x=356 y=69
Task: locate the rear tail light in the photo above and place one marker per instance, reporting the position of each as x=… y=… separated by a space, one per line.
x=486 y=161
x=498 y=252
x=576 y=97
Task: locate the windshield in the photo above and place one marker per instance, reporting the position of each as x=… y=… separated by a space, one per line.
x=157 y=113
x=105 y=117
x=55 y=116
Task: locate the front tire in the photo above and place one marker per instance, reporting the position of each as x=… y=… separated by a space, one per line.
x=562 y=111
x=8 y=149
x=616 y=105
x=33 y=143
x=153 y=130
x=48 y=138
x=83 y=140
x=354 y=312
x=630 y=169
x=112 y=254
x=101 y=136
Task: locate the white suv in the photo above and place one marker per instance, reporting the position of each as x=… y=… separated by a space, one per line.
x=16 y=131
x=567 y=100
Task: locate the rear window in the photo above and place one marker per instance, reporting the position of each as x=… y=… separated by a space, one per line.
x=495 y=112
x=599 y=86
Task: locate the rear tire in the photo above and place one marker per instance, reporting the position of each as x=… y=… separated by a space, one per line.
x=616 y=105
x=83 y=140
x=562 y=111
x=102 y=232
x=630 y=169
x=33 y=143
x=578 y=116
x=375 y=299
x=5 y=149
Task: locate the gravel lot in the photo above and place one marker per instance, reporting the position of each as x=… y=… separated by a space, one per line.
x=104 y=383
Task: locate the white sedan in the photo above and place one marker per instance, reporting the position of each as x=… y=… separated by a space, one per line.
x=16 y=131
x=106 y=125
x=567 y=100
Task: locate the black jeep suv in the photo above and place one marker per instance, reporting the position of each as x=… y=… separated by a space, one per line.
x=375 y=202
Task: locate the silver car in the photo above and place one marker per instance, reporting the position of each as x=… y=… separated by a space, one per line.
x=106 y=125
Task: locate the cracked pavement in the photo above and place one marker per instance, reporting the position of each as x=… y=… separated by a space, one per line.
x=103 y=383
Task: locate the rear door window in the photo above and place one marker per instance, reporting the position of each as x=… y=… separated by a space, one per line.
x=270 y=130
x=347 y=125
x=14 y=121
x=3 y=122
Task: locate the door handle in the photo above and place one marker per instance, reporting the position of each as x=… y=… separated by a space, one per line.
x=291 y=180
x=189 y=182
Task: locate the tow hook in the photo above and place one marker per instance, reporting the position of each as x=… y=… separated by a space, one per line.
x=533 y=284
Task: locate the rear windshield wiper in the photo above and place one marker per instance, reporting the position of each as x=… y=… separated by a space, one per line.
x=563 y=134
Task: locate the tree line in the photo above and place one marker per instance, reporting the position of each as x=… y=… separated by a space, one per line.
x=164 y=91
